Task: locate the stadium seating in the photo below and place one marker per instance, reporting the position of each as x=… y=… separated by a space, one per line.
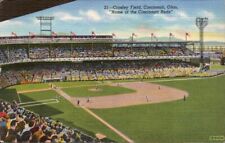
x=20 y=125
x=96 y=70
x=23 y=53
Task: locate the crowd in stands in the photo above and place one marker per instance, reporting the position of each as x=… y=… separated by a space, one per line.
x=93 y=70
x=14 y=53
x=20 y=125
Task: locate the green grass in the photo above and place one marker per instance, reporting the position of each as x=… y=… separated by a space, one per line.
x=200 y=116
x=30 y=86
x=217 y=67
x=104 y=90
x=8 y=95
x=26 y=97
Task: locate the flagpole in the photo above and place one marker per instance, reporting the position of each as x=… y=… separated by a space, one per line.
x=113 y=35
x=186 y=36
x=151 y=36
x=132 y=41
x=28 y=47
x=92 y=45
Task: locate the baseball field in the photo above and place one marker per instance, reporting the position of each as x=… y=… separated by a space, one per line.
x=194 y=118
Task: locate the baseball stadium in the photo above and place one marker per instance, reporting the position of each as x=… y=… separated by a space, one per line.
x=92 y=88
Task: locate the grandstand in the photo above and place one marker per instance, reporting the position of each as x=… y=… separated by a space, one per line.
x=90 y=57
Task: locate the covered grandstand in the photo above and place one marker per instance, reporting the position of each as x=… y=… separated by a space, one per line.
x=91 y=57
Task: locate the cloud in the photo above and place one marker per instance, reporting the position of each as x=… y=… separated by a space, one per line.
x=66 y=17
x=11 y=23
x=182 y=15
x=109 y=16
x=91 y=15
x=178 y=15
x=206 y=13
x=165 y=17
x=35 y=21
x=216 y=27
x=8 y=26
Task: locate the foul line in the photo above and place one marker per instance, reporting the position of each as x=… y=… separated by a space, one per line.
x=108 y=125
x=37 y=103
x=45 y=100
x=18 y=95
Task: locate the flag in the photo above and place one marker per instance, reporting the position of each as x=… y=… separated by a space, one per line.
x=93 y=33
x=32 y=35
x=53 y=34
x=152 y=34
x=14 y=34
x=113 y=34
x=72 y=33
x=171 y=34
x=187 y=35
x=133 y=34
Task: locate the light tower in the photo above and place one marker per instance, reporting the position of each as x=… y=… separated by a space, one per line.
x=201 y=23
x=45 y=24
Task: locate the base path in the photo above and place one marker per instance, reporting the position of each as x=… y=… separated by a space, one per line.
x=146 y=93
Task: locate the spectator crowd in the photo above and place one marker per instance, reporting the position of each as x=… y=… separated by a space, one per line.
x=18 y=53
x=20 y=125
x=135 y=66
x=93 y=70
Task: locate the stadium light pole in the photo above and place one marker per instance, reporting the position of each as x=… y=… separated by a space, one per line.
x=45 y=23
x=132 y=41
x=201 y=23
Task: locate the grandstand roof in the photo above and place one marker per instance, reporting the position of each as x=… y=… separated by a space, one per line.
x=13 y=8
x=40 y=39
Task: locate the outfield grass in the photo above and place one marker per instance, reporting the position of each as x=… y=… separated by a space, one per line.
x=103 y=90
x=195 y=120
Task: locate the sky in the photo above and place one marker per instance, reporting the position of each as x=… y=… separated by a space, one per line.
x=85 y=16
